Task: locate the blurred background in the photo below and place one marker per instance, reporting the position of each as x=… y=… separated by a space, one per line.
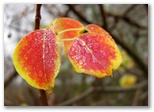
x=127 y=24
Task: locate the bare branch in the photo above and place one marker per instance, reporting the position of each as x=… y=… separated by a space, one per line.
x=101 y=7
x=126 y=19
x=37 y=17
x=121 y=89
x=129 y=9
x=77 y=98
x=117 y=17
x=43 y=98
x=104 y=90
x=78 y=14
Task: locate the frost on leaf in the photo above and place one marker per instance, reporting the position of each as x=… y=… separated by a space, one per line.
x=95 y=54
x=37 y=59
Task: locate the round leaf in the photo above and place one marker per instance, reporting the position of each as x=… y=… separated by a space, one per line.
x=95 y=54
x=37 y=59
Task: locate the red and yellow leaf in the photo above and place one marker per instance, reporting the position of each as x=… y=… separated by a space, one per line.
x=37 y=59
x=68 y=36
x=95 y=54
x=95 y=28
x=61 y=24
x=67 y=30
x=127 y=80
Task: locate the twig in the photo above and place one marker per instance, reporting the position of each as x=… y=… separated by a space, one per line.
x=77 y=98
x=104 y=90
x=101 y=7
x=117 y=18
x=43 y=97
x=71 y=7
x=129 y=9
x=37 y=17
x=122 y=89
x=126 y=19
x=37 y=26
x=66 y=13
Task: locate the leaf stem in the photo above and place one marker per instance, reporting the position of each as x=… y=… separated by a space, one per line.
x=43 y=97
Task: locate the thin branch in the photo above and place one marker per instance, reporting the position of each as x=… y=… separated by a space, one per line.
x=129 y=9
x=37 y=17
x=72 y=8
x=122 y=89
x=117 y=18
x=37 y=26
x=126 y=19
x=104 y=90
x=133 y=23
x=66 y=13
x=101 y=7
x=77 y=98
x=43 y=97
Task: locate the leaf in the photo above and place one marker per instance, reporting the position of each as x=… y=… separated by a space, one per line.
x=94 y=28
x=37 y=59
x=61 y=24
x=97 y=29
x=67 y=38
x=95 y=54
x=127 y=80
x=67 y=30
